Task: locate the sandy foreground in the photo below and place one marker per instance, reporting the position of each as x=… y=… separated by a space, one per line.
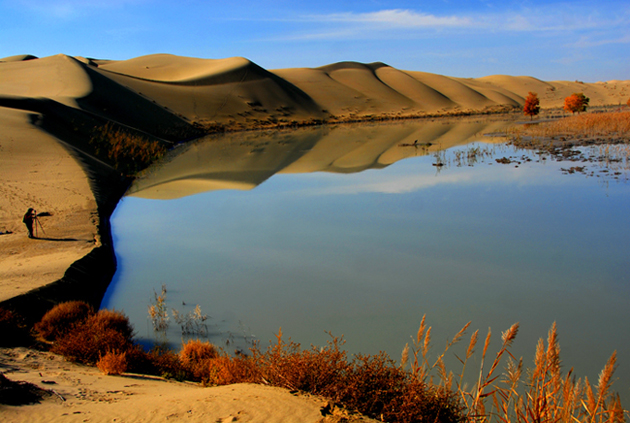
x=48 y=107
x=82 y=394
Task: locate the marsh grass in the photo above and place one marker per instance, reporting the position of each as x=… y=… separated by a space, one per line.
x=506 y=392
x=158 y=313
x=191 y=323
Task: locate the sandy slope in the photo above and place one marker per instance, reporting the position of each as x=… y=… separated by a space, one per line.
x=83 y=394
x=49 y=108
x=37 y=171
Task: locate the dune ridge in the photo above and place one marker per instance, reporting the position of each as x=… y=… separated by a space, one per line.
x=235 y=93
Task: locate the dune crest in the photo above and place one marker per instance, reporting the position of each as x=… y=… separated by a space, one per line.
x=161 y=90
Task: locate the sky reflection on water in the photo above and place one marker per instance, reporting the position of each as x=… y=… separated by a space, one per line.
x=367 y=254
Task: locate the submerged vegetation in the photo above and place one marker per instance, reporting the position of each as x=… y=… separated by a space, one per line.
x=418 y=388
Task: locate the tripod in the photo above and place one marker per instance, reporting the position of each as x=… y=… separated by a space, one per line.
x=37 y=222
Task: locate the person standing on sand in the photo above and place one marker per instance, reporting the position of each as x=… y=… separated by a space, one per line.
x=28 y=219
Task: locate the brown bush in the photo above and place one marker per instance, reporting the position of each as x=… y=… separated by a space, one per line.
x=195 y=356
x=195 y=351
x=225 y=370
x=112 y=363
x=62 y=318
x=112 y=319
x=106 y=331
x=167 y=364
x=372 y=385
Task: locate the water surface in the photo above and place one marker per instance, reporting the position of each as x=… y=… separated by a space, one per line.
x=355 y=231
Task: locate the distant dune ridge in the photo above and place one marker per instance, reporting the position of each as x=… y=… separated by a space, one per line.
x=162 y=89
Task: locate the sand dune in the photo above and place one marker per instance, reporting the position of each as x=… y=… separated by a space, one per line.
x=165 y=90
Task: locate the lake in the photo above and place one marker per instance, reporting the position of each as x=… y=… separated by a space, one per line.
x=360 y=230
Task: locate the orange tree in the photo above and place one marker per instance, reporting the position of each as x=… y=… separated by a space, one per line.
x=532 y=105
x=576 y=102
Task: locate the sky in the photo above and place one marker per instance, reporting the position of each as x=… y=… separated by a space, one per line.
x=552 y=40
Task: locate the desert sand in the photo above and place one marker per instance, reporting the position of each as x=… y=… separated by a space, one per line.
x=76 y=393
x=48 y=109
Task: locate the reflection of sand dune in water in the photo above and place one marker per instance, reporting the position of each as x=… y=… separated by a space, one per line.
x=243 y=161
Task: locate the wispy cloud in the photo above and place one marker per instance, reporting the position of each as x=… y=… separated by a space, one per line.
x=587 y=42
x=396 y=18
x=541 y=20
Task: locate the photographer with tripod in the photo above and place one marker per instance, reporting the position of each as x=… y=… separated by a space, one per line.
x=30 y=219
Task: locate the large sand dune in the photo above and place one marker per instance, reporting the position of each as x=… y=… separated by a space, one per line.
x=165 y=90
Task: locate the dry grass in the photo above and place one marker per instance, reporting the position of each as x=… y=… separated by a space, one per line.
x=541 y=394
x=600 y=127
x=113 y=363
x=371 y=384
x=420 y=388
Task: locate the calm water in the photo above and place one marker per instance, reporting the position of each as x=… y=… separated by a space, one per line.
x=348 y=230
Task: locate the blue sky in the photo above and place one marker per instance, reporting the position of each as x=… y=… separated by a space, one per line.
x=551 y=40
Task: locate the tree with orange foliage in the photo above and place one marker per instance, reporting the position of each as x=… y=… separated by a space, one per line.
x=576 y=102
x=532 y=105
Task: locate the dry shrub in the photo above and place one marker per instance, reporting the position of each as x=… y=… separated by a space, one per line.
x=225 y=370
x=106 y=331
x=112 y=363
x=62 y=319
x=194 y=357
x=372 y=385
x=167 y=364
x=314 y=370
x=195 y=351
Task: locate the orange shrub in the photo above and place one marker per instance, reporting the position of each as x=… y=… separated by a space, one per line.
x=62 y=318
x=112 y=363
x=195 y=351
x=226 y=370
x=195 y=356
x=106 y=331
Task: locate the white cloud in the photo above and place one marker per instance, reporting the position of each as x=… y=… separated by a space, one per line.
x=397 y=18
x=542 y=19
